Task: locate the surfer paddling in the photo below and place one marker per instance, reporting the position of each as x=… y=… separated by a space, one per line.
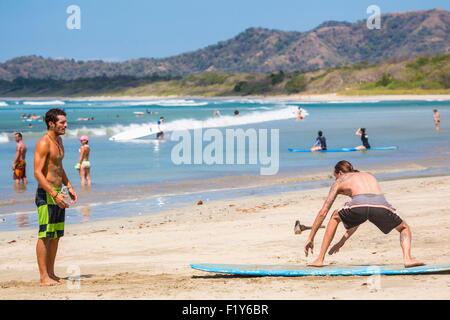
x=368 y=203
x=50 y=200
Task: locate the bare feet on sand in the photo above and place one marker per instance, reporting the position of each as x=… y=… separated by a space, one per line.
x=48 y=282
x=413 y=263
x=317 y=263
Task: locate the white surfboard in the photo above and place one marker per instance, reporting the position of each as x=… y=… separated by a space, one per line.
x=137 y=133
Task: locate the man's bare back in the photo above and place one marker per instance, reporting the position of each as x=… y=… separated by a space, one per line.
x=356 y=183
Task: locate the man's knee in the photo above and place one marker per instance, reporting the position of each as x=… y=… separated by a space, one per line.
x=403 y=226
x=336 y=216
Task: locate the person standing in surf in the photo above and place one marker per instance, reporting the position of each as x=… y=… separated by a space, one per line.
x=50 y=200
x=437 y=119
x=19 y=163
x=160 y=134
x=84 y=165
x=367 y=203
x=321 y=143
x=364 y=139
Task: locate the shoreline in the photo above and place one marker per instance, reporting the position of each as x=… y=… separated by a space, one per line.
x=296 y=97
x=148 y=257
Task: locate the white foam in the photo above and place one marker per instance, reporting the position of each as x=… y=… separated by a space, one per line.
x=44 y=103
x=288 y=112
x=166 y=103
x=3 y=104
x=4 y=138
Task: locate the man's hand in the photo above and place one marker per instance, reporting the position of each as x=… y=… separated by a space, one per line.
x=59 y=199
x=73 y=195
x=309 y=245
x=336 y=247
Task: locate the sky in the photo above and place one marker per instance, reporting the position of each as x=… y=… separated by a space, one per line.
x=117 y=30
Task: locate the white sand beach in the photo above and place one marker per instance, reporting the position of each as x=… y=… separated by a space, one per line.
x=148 y=257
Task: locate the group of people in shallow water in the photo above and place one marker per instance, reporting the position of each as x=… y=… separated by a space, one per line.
x=19 y=164
x=367 y=200
x=321 y=142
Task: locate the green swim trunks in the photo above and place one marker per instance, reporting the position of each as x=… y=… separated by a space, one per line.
x=51 y=217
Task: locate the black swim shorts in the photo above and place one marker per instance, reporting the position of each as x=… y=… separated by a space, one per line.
x=384 y=219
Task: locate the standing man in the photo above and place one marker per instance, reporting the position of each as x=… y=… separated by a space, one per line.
x=50 y=201
x=19 y=163
x=437 y=119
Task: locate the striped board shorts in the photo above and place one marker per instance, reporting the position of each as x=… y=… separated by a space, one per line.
x=51 y=217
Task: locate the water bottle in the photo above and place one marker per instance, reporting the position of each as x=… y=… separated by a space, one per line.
x=66 y=195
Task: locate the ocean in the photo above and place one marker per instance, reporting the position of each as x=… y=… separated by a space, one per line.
x=138 y=178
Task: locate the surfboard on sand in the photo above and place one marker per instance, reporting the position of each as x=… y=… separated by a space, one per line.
x=303 y=271
x=345 y=149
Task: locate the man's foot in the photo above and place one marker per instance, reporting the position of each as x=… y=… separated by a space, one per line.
x=54 y=277
x=413 y=263
x=317 y=263
x=48 y=282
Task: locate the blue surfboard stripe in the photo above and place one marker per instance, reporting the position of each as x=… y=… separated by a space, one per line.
x=302 y=271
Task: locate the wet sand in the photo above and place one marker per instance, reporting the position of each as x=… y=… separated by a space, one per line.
x=148 y=257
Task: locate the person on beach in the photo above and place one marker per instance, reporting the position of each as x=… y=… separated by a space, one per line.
x=50 y=200
x=321 y=142
x=437 y=119
x=19 y=163
x=364 y=139
x=83 y=164
x=160 y=134
x=367 y=203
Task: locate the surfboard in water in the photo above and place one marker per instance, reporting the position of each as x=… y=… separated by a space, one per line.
x=302 y=271
x=345 y=149
x=137 y=133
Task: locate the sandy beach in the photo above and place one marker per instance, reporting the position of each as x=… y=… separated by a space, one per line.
x=148 y=257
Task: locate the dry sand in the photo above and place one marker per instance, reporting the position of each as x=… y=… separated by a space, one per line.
x=148 y=257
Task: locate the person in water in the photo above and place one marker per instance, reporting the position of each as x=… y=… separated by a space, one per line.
x=19 y=163
x=367 y=203
x=50 y=200
x=321 y=142
x=437 y=119
x=300 y=113
x=83 y=164
x=364 y=139
x=160 y=134
x=236 y=113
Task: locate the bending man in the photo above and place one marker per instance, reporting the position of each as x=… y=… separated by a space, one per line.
x=368 y=203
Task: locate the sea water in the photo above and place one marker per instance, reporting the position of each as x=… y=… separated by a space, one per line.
x=139 y=177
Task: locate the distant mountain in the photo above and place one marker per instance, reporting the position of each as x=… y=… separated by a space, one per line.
x=257 y=50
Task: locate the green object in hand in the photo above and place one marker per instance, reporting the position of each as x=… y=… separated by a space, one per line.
x=77 y=166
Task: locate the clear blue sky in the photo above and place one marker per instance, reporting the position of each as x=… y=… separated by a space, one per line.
x=124 y=29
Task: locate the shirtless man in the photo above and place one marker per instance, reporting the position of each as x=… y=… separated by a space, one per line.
x=368 y=203
x=51 y=204
x=19 y=164
x=437 y=119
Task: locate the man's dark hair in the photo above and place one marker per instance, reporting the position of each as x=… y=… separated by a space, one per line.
x=320 y=133
x=435 y=110
x=52 y=116
x=19 y=134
